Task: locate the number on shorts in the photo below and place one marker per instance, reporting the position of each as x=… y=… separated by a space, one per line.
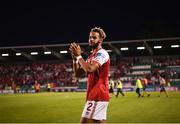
x=89 y=106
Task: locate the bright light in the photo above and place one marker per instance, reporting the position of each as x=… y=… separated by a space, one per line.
x=34 y=53
x=157 y=47
x=109 y=50
x=125 y=48
x=63 y=51
x=174 y=46
x=140 y=48
x=47 y=52
x=5 y=54
x=18 y=54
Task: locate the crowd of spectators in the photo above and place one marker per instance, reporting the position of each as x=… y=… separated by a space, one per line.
x=61 y=74
x=164 y=65
x=44 y=73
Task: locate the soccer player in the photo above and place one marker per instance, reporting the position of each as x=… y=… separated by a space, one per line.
x=97 y=69
x=162 y=82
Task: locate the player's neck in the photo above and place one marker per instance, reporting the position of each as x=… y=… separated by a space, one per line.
x=96 y=49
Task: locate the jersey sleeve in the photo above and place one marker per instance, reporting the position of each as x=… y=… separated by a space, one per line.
x=101 y=57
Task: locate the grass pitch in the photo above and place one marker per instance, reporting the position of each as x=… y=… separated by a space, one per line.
x=66 y=107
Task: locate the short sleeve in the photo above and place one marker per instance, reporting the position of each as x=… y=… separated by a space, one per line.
x=101 y=57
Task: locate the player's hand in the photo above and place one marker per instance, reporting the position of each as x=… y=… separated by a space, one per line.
x=71 y=51
x=75 y=49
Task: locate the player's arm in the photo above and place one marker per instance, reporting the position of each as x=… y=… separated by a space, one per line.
x=88 y=67
x=78 y=71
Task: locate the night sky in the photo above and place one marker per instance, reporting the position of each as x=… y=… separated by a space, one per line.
x=42 y=22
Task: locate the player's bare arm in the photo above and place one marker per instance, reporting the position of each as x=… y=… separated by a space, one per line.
x=87 y=67
x=78 y=71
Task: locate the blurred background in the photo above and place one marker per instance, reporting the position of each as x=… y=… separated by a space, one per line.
x=37 y=83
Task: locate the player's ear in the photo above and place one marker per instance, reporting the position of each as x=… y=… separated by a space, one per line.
x=101 y=40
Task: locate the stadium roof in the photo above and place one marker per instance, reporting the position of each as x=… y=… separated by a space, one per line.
x=59 y=52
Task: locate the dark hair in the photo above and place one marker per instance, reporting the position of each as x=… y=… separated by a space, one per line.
x=100 y=31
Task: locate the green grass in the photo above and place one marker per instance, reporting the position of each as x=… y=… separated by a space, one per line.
x=67 y=108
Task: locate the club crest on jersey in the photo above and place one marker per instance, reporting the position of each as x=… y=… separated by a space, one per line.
x=100 y=56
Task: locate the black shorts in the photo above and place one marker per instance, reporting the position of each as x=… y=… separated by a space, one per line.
x=162 y=89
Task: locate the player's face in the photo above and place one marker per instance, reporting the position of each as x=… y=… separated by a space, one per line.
x=94 y=39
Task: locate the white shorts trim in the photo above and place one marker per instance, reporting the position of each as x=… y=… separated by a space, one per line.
x=95 y=110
